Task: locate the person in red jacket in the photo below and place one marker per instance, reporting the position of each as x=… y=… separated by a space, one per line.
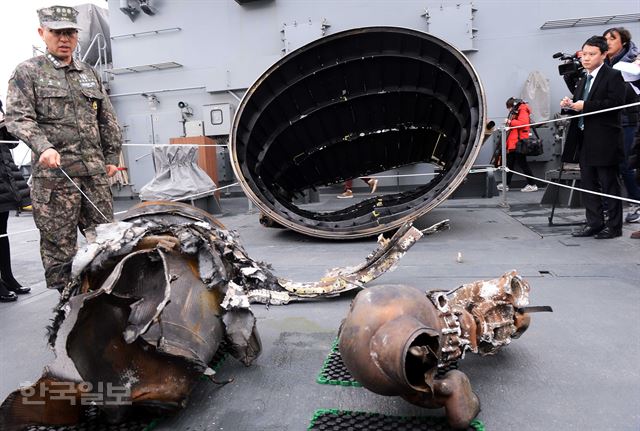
x=519 y=114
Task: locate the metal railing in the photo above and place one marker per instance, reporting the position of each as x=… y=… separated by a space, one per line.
x=100 y=43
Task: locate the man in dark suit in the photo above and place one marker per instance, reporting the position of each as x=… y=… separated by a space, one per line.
x=595 y=141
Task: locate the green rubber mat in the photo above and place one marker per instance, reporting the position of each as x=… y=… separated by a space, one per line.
x=334 y=372
x=338 y=420
x=92 y=421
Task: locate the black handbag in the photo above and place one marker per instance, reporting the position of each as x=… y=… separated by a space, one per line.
x=531 y=146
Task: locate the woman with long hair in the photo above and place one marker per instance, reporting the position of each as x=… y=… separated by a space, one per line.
x=622 y=49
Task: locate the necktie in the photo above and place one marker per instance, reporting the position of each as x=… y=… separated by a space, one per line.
x=585 y=93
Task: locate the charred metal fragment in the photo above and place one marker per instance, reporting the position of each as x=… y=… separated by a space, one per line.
x=395 y=339
x=153 y=298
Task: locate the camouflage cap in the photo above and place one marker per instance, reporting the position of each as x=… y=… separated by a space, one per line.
x=58 y=17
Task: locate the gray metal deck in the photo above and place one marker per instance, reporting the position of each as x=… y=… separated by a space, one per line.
x=574 y=369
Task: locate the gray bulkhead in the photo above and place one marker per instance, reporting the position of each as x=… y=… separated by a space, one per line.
x=207 y=53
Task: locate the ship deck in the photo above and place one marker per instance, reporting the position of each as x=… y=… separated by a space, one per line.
x=574 y=369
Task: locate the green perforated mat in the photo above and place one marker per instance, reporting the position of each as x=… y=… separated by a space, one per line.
x=333 y=371
x=92 y=420
x=338 y=420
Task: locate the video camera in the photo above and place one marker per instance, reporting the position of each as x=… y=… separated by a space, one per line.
x=571 y=63
x=570 y=69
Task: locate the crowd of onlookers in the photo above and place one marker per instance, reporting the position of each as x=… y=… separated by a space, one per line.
x=606 y=144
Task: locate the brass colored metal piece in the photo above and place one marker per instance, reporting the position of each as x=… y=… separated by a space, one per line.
x=396 y=338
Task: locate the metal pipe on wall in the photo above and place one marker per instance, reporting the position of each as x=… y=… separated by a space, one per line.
x=165 y=90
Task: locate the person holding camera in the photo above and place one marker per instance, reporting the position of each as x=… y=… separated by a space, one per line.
x=595 y=141
x=623 y=50
x=519 y=115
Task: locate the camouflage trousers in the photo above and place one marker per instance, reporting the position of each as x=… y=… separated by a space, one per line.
x=59 y=209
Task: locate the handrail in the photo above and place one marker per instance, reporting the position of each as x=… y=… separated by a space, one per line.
x=35 y=50
x=96 y=38
x=101 y=45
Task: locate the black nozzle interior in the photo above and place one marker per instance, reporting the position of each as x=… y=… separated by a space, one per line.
x=354 y=104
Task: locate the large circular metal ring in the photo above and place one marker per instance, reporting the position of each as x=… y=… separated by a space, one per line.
x=352 y=104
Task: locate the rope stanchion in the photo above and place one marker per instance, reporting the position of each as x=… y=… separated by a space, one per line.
x=17 y=233
x=633 y=201
x=505 y=129
x=204 y=193
x=145 y=145
x=571 y=117
x=175 y=145
x=122 y=212
x=430 y=174
x=502 y=168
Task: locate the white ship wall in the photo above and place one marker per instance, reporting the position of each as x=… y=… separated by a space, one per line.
x=223 y=46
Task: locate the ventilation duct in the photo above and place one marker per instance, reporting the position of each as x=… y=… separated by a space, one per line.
x=352 y=104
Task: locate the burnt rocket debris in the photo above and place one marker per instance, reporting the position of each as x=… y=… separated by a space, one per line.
x=397 y=340
x=156 y=296
x=152 y=300
x=353 y=104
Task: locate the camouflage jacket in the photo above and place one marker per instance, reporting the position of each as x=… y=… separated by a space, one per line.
x=53 y=105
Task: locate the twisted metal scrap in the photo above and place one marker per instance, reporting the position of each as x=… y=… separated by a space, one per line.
x=494 y=305
x=482 y=316
x=223 y=261
x=152 y=299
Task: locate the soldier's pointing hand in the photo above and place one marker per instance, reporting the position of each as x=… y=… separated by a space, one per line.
x=50 y=158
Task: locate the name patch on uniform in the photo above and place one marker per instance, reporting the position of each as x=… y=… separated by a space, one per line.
x=50 y=82
x=87 y=82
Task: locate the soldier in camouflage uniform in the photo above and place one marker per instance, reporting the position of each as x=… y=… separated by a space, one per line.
x=58 y=107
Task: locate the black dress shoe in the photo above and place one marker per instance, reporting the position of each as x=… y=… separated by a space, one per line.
x=586 y=231
x=20 y=290
x=608 y=233
x=10 y=297
x=15 y=287
x=5 y=294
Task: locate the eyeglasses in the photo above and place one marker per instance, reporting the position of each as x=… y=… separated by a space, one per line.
x=68 y=32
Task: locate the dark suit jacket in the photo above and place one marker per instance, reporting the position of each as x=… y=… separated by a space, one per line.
x=601 y=144
x=14 y=191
